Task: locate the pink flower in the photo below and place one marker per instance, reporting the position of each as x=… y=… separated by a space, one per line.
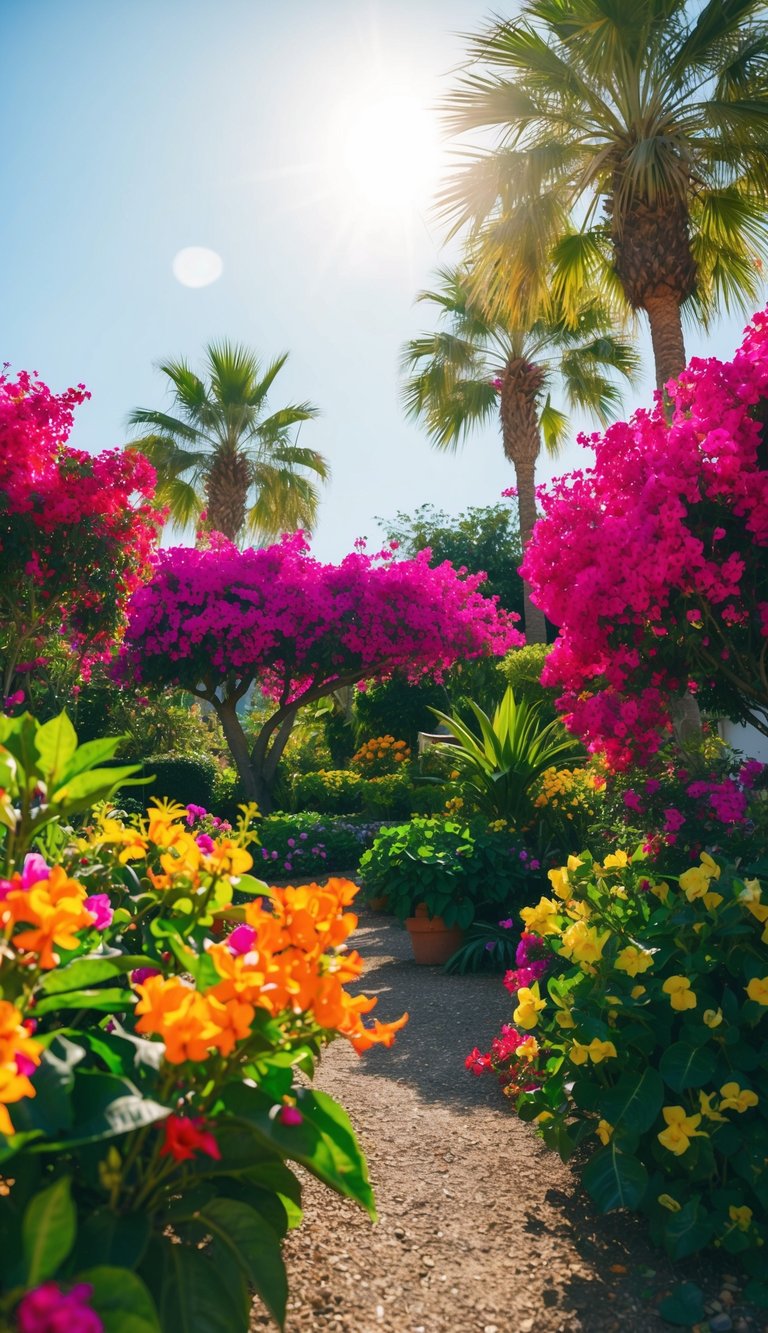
x=101 y=907
x=50 y=1309
x=34 y=870
x=242 y=940
x=184 y=1137
x=477 y=1063
x=141 y=974
x=290 y=1115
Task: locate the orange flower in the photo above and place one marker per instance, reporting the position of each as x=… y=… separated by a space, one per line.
x=54 y=910
x=18 y=1053
x=228 y=858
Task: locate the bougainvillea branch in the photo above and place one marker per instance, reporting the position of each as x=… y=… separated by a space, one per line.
x=218 y=620
x=76 y=533
x=653 y=562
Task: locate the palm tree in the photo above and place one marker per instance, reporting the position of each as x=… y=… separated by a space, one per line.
x=477 y=369
x=218 y=450
x=629 y=140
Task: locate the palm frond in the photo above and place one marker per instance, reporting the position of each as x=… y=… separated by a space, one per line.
x=285 y=501
x=553 y=425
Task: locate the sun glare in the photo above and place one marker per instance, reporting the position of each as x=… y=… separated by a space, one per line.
x=387 y=150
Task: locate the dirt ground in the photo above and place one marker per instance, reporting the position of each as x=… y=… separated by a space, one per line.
x=481 y=1229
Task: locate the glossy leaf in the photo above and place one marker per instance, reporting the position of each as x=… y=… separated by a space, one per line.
x=48 y=1231
x=121 y=1300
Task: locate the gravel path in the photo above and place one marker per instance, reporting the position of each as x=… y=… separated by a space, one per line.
x=481 y=1229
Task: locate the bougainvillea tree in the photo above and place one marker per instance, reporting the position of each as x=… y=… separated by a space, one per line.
x=217 y=620
x=654 y=562
x=76 y=533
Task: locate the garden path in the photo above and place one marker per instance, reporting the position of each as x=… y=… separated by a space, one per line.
x=481 y=1229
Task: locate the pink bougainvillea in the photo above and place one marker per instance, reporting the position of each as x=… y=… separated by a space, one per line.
x=218 y=619
x=653 y=561
x=76 y=532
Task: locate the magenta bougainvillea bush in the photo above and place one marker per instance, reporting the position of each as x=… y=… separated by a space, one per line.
x=76 y=533
x=653 y=561
x=217 y=620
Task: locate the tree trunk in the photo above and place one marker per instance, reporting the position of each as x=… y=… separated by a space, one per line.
x=525 y=475
x=663 y=311
x=521 y=385
x=229 y=478
x=238 y=744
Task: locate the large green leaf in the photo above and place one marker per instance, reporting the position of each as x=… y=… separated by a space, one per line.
x=50 y=1110
x=107 y=1106
x=48 y=1231
x=239 y=1233
x=687 y=1231
x=90 y=755
x=635 y=1101
x=683 y=1066
x=106 y=1237
x=97 y=784
x=110 y=1000
x=121 y=1300
x=56 y=743
x=90 y=972
x=191 y=1295
x=614 y=1179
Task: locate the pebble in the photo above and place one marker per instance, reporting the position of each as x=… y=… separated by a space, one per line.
x=721 y=1323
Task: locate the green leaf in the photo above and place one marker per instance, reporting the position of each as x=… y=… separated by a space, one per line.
x=121 y=1300
x=635 y=1101
x=90 y=972
x=239 y=1231
x=684 y=1306
x=614 y=1179
x=107 y=1106
x=56 y=743
x=50 y=1110
x=105 y=1237
x=84 y=790
x=191 y=1295
x=687 y=1231
x=48 y=1231
x=683 y=1066
x=110 y=1000
x=89 y=755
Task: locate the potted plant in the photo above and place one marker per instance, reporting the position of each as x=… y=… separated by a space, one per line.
x=436 y=874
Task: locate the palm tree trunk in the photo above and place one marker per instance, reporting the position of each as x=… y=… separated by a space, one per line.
x=525 y=476
x=663 y=311
x=521 y=385
x=227 y=485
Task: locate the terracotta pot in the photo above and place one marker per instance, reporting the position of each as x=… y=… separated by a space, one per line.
x=431 y=940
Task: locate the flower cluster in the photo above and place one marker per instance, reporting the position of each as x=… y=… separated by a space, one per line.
x=43 y=912
x=652 y=1016
x=568 y=790
x=381 y=756
x=279 y=614
x=76 y=530
x=663 y=589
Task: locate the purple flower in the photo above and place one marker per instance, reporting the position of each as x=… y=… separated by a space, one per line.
x=205 y=843
x=101 y=907
x=508 y=924
x=49 y=1309
x=35 y=869
x=140 y=974
x=534 y=865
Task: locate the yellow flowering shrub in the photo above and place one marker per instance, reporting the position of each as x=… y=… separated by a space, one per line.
x=568 y=800
x=650 y=1015
x=380 y=756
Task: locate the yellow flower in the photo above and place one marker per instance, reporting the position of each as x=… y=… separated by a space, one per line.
x=596 y=1051
x=636 y=992
x=741 y=1216
x=757 y=990
x=528 y=1049
x=713 y=1017
x=751 y=893
x=616 y=861
x=669 y=1203
x=735 y=1098
x=543 y=1115
x=574 y=862
x=633 y=960
x=542 y=919
x=681 y=1128
x=680 y=994
x=710 y=865
x=582 y=944
x=694 y=883
x=712 y=901
x=564 y=1018
x=559 y=881
x=707 y=1109
x=529 y=1006
x=604 y=1131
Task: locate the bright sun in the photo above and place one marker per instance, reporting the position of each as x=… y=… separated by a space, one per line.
x=387 y=150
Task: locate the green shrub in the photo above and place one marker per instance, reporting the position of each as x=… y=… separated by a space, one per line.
x=398 y=708
x=650 y=1035
x=460 y=870
x=331 y=791
x=189 y=779
x=522 y=670
x=311 y=844
x=388 y=797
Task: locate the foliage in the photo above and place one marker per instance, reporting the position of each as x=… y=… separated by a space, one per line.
x=459 y=869
x=216 y=620
x=396 y=705
x=310 y=843
x=622 y=149
x=568 y=802
x=692 y=796
x=76 y=533
x=666 y=582
x=482 y=539
x=185 y=778
x=221 y=459
x=379 y=756
x=331 y=791
x=167 y=722
x=522 y=670
x=515 y=747
x=154 y=1079
x=489 y=946
x=649 y=1032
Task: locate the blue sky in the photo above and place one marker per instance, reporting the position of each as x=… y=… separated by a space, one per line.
x=138 y=127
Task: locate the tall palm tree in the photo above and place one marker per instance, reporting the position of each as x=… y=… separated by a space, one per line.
x=218 y=449
x=478 y=368
x=630 y=138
